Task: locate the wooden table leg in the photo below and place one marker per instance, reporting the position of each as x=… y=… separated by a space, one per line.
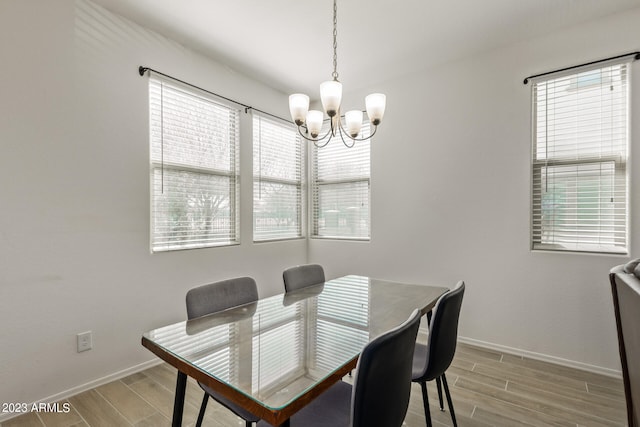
x=178 y=403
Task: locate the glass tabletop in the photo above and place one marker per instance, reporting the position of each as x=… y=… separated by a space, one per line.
x=278 y=348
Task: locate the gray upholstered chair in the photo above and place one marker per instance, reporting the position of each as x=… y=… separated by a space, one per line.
x=302 y=276
x=381 y=390
x=625 y=287
x=430 y=361
x=212 y=298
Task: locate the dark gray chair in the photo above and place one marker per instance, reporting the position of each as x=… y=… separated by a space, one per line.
x=625 y=287
x=381 y=390
x=212 y=298
x=302 y=276
x=430 y=361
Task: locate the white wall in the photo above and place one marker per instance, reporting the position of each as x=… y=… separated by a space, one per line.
x=451 y=192
x=74 y=198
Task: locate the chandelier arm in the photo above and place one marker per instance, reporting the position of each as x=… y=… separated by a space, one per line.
x=321 y=145
x=316 y=139
x=348 y=136
x=375 y=128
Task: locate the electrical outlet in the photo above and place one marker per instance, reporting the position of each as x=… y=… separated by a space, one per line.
x=85 y=341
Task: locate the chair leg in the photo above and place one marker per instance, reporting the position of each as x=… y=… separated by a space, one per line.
x=203 y=408
x=425 y=402
x=449 y=401
x=249 y=424
x=439 y=384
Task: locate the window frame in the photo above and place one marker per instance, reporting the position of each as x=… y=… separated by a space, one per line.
x=582 y=161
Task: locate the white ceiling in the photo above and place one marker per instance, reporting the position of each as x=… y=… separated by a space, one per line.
x=287 y=44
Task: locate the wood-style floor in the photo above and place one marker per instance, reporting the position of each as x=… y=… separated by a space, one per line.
x=488 y=388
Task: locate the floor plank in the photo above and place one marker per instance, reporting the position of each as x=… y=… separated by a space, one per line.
x=96 y=411
x=29 y=419
x=61 y=419
x=133 y=407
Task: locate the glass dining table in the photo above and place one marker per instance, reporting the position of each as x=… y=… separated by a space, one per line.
x=274 y=356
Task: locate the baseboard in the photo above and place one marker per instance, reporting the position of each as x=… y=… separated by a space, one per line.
x=88 y=386
x=423 y=333
x=542 y=357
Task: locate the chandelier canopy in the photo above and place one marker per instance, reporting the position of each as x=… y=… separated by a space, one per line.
x=331 y=96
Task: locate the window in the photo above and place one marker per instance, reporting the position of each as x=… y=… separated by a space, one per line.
x=340 y=189
x=579 y=160
x=277 y=180
x=194 y=169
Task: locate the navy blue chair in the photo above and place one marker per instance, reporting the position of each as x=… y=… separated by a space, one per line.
x=382 y=386
x=430 y=361
x=212 y=298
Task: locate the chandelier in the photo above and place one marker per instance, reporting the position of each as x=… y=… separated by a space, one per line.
x=311 y=121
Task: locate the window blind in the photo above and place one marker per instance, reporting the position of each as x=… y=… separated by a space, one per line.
x=277 y=180
x=194 y=168
x=343 y=322
x=278 y=350
x=214 y=351
x=341 y=188
x=579 y=161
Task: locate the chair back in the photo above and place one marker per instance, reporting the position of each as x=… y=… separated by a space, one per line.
x=382 y=383
x=302 y=276
x=443 y=333
x=625 y=287
x=218 y=296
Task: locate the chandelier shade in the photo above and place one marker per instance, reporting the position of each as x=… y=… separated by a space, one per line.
x=314 y=122
x=310 y=122
x=331 y=96
x=298 y=107
x=353 y=120
x=375 y=104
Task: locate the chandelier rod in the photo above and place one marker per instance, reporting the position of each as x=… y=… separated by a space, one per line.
x=335 y=41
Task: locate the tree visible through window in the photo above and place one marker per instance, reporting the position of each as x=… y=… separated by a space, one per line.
x=277 y=180
x=194 y=169
x=580 y=144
